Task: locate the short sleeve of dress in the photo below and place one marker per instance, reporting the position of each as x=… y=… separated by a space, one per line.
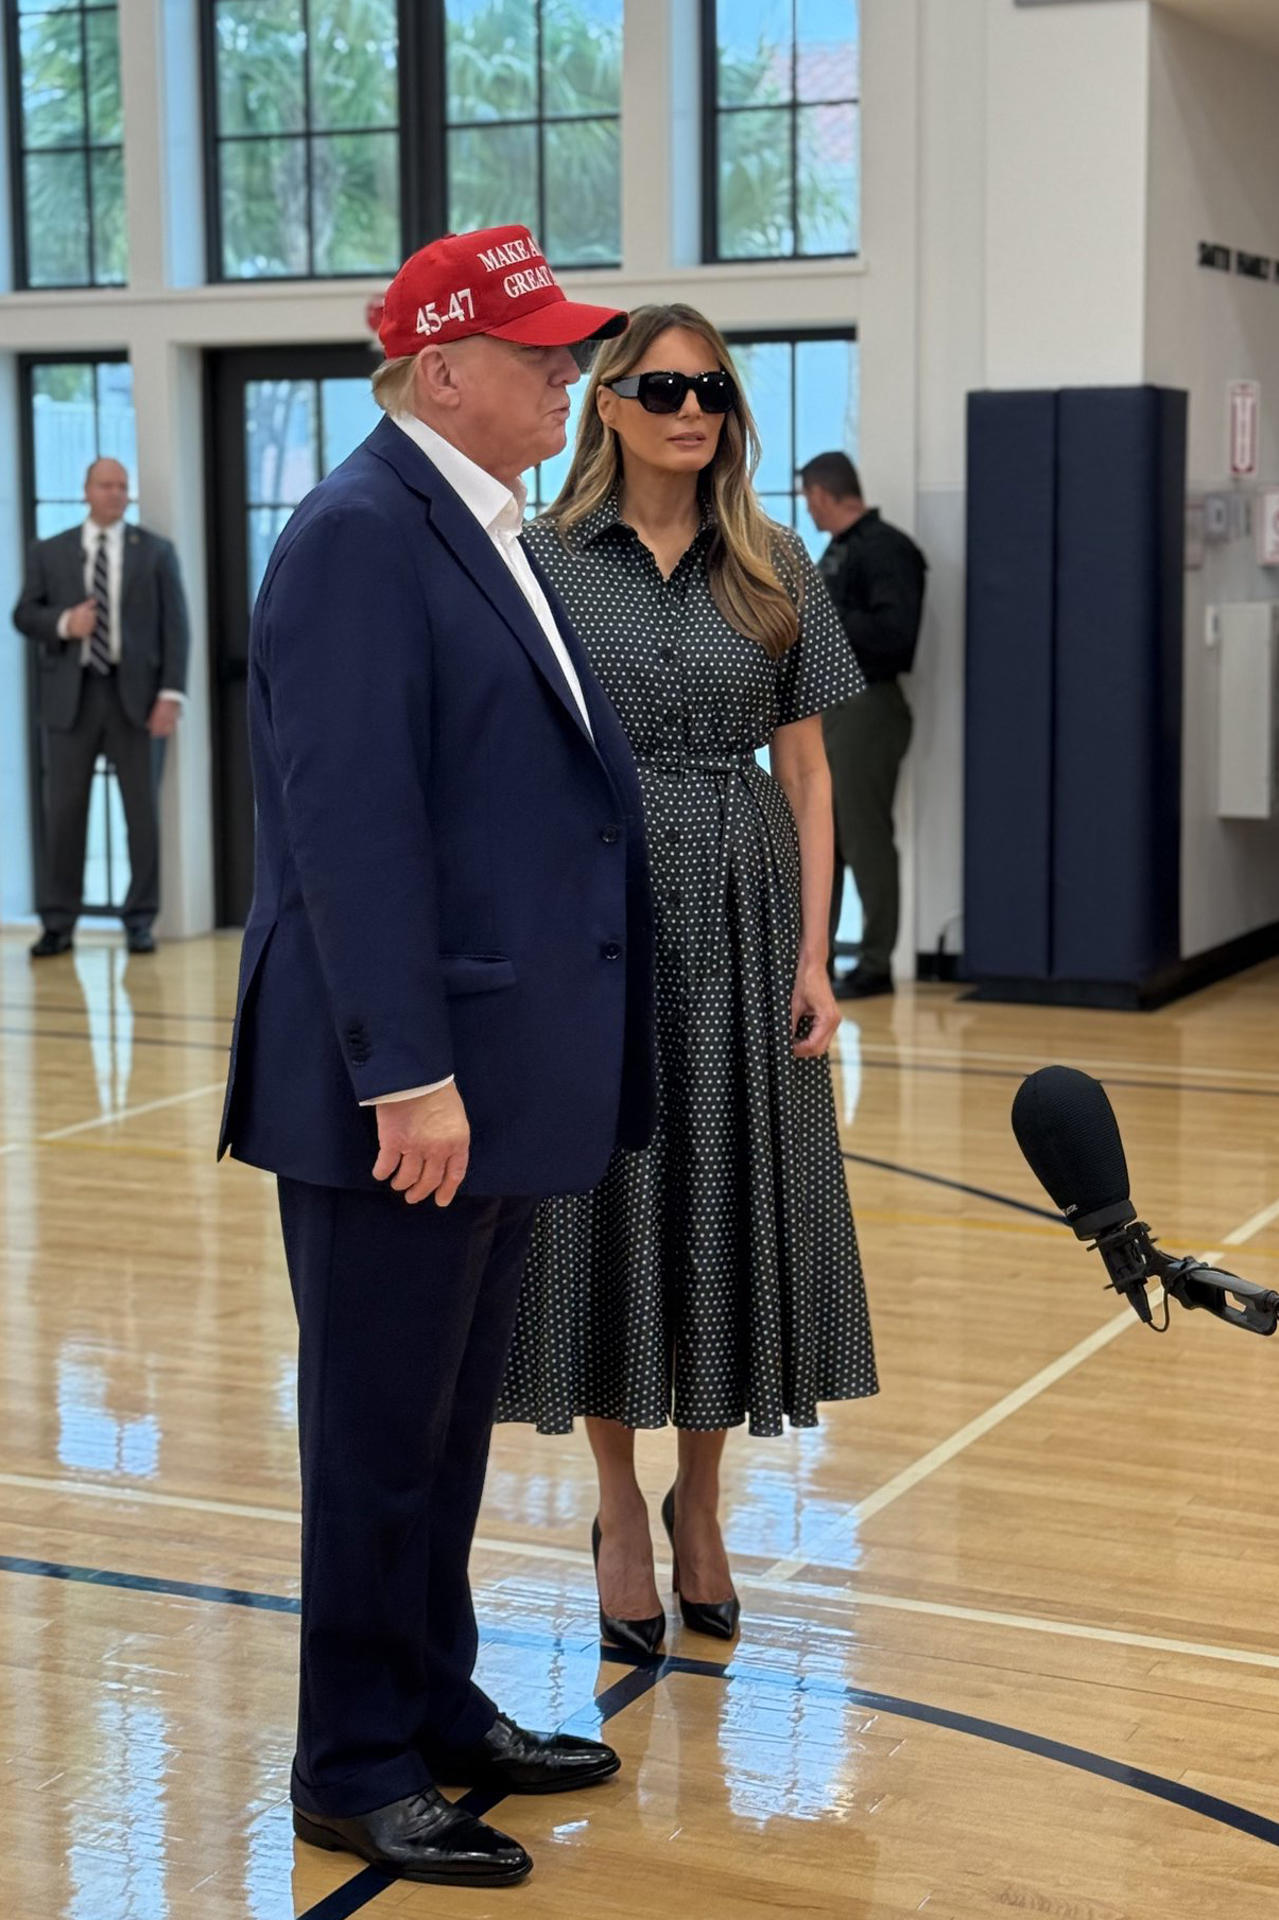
x=821 y=669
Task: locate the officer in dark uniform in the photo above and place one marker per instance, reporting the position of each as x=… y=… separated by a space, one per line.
x=876 y=578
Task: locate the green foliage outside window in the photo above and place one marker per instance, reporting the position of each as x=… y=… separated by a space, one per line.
x=308 y=155
x=532 y=139
x=72 y=164
x=785 y=100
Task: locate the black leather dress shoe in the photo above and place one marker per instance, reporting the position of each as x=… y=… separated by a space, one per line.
x=140 y=940
x=860 y=985
x=518 y=1762
x=51 y=943
x=421 y=1838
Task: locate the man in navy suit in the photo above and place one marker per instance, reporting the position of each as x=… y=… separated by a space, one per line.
x=444 y=1015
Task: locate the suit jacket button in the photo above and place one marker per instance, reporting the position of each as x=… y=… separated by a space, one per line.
x=611 y=951
x=610 y=835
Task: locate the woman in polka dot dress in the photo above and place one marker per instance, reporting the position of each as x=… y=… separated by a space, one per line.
x=712 y=1279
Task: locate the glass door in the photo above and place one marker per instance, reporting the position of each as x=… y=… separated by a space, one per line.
x=281 y=419
x=76 y=408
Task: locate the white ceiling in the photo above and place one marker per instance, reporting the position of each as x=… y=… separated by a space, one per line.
x=1256 y=21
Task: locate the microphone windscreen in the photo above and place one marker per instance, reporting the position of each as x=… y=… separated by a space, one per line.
x=1066 y=1127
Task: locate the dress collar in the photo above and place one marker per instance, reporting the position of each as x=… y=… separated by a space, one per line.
x=608 y=516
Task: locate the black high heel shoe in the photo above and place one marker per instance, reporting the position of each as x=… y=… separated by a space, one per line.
x=719 y=1618
x=640 y=1637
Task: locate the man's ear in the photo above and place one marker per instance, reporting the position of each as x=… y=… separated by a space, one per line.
x=434 y=379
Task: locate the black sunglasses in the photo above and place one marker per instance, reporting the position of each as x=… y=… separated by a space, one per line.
x=667 y=392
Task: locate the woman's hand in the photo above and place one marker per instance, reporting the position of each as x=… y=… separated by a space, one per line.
x=814 y=1013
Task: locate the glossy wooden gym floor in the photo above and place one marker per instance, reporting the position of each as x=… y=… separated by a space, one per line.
x=1009 y=1631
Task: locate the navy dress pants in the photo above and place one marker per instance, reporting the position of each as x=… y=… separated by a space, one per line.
x=404 y=1320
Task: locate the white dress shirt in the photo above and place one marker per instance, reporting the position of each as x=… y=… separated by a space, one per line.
x=500 y=511
x=90 y=534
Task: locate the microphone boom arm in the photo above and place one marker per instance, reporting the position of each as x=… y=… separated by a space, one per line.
x=1241 y=1302
x=1132 y=1259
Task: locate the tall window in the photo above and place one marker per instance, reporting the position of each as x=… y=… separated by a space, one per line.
x=295 y=431
x=342 y=134
x=782 y=164
x=303 y=104
x=805 y=394
x=74 y=412
x=68 y=132
x=78 y=411
x=533 y=115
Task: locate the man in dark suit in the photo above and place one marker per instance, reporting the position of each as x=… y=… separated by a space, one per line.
x=444 y=1013
x=104 y=604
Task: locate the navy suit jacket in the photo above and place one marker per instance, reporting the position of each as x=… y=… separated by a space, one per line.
x=451 y=876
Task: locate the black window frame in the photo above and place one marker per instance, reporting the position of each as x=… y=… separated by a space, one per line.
x=746 y=336
x=18 y=151
x=27 y=365
x=423 y=128
x=712 y=112
x=411 y=128
x=539 y=120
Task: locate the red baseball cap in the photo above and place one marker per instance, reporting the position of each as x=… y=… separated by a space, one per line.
x=493 y=281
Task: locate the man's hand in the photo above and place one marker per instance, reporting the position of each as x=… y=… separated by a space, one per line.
x=82 y=620
x=425 y=1145
x=163 y=721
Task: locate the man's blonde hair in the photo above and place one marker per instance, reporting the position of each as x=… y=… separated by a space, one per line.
x=393 y=383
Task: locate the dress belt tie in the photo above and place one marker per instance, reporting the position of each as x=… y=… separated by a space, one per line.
x=725 y=767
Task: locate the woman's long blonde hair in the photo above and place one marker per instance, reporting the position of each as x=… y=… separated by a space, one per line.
x=753 y=579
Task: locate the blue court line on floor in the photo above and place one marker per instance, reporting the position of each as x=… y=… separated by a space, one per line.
x=134 y=1039
x=1020 y=1073
x=956 y=1186
x=145 y=1583
x=641 y=1677
x=1224 y=1812
x=350 y=1896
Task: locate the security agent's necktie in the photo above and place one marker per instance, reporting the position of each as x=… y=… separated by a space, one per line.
x=100 y=639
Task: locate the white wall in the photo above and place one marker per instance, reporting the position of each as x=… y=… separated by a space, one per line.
x=1029 y=248
x=951 y=255
x=1071 y=159
x=1065 y=193
x=1214 y=175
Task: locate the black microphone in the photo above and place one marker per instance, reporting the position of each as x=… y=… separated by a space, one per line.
x=1066 y=1128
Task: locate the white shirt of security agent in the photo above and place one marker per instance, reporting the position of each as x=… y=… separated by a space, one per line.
x=106 y=491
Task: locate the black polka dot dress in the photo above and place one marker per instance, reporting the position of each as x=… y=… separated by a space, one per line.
x=713 y=1278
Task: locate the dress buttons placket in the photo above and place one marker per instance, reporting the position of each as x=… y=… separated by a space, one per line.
x=667 y=628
